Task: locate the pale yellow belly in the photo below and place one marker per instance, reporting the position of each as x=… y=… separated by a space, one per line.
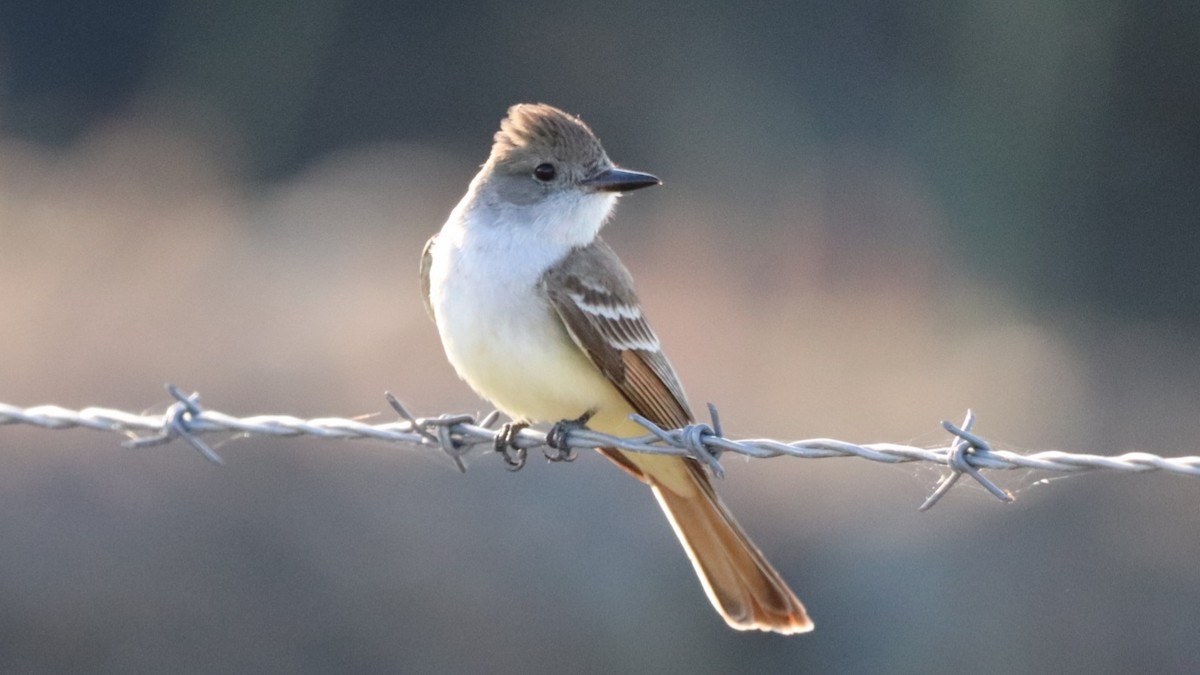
x=528 y=366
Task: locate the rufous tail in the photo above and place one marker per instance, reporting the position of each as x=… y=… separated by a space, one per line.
x=738 y=580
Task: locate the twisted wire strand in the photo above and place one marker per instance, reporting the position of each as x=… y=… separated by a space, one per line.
x=457 y=435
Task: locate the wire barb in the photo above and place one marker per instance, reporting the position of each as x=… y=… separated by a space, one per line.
x=442 y=426
x=690 y=438
x=458 y=435
x=177 y=424
x=966 y=445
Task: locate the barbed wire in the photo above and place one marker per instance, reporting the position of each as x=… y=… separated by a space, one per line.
x=457 y=435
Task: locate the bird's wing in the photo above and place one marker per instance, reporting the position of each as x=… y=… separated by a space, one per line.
x=593 y=294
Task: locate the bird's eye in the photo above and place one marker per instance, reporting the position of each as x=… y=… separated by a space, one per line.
x=544 y=172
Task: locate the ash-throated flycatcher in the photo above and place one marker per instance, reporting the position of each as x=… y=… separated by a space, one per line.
x=539 y=316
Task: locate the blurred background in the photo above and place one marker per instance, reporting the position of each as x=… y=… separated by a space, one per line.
x=874 y=216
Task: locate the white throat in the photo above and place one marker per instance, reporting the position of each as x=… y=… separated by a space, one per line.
x=568 y=217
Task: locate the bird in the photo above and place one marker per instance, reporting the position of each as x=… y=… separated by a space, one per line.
x=537 y=314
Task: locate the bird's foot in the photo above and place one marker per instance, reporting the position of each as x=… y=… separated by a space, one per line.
x=556 y=438
x=506 y=445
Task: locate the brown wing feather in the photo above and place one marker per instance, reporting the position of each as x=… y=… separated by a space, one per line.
x=649 y=392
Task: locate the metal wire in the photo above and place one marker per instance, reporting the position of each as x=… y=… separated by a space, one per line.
x=457 y=435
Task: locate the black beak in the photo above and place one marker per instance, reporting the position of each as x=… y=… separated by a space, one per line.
x=620 y=180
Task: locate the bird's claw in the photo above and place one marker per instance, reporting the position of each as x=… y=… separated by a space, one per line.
x=505 y=444
x=556 y=438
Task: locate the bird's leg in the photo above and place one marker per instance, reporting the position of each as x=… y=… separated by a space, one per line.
x=506 y=444
x=556 y=438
